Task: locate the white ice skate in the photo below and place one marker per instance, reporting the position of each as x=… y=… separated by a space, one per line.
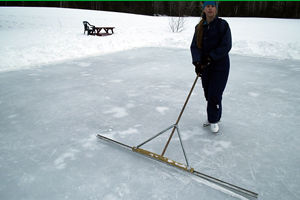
x=214 y=127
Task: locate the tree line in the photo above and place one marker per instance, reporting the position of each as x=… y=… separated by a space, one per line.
x=275 y=9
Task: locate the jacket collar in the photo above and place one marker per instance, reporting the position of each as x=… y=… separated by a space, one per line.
x=205 y=22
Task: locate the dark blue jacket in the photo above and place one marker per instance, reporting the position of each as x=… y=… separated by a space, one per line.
x=216 y=44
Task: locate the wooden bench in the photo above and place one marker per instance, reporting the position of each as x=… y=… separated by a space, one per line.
x=93 y=30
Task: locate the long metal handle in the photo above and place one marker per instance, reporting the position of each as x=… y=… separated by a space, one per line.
x=179 y=117
x=236 y=189
x=114 y=141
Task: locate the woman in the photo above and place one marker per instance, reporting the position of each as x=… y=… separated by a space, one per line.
x=210 y=47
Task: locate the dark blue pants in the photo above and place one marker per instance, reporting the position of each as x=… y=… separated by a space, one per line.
x=213 y=83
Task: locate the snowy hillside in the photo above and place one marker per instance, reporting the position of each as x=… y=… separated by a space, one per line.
x=34 y=36
x=60 y=88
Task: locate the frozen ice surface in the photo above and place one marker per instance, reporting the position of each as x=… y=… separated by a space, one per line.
x=50 y=116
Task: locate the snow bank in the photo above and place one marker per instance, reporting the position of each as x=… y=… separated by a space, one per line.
x=38 y=36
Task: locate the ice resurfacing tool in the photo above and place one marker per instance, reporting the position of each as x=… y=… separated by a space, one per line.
x=186 y=167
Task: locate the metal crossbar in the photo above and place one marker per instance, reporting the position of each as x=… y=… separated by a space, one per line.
x=174 y=126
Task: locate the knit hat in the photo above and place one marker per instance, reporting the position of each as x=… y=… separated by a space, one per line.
x=206 y=3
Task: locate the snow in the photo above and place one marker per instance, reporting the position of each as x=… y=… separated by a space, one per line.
x=59 y=88
x=40 y=36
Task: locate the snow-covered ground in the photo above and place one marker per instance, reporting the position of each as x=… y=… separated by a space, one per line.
x=35 y=36
x=59 y=88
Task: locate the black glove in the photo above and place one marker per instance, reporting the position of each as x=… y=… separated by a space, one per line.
x=199 y=68
x=207 y=61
